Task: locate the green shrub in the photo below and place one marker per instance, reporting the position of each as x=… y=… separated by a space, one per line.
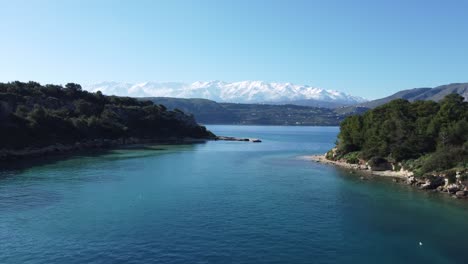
x=451 y=175
x=329 y=155
x=397 y=167
x=352 y=157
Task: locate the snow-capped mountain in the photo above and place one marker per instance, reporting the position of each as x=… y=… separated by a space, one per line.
x=236 y=92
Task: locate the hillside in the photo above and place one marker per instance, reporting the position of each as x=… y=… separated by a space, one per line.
x=205 y=111
x=433 y=94
x=424 y=137
x=33 y=115
x=211 y=112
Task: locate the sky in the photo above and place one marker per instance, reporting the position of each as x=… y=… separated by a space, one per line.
x=366 y=48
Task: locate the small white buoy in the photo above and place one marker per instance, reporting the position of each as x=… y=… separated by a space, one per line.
x=420 y=243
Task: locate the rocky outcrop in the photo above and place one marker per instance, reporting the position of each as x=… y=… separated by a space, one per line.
x=432 y=183
x=255 y=140
x=437 y=182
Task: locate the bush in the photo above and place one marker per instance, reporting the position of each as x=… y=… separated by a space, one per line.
x=352 y=157
x=330 y=155
x=443 y=159
x=451 y=175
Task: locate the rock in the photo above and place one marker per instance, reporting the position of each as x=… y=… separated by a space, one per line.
x=411 y=180
x=362 y=178
x=461 y=193
x=452 y=188
x=255 y=140
x=425 y=186
x=432 y=183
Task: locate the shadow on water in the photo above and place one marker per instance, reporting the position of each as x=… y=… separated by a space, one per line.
x=15 y=167
x=41 y=181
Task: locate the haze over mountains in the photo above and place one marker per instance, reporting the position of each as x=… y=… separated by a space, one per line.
x=235 y=92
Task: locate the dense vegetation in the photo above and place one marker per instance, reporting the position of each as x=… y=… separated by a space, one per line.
x=424 y=136
x=32 y=115
x=211 y=112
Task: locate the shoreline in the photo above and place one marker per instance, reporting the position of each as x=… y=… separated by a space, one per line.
x=57 y=149
x=362 y=168
x=402 y=177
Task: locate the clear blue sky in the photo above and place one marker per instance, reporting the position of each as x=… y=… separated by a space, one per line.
x=367 y=48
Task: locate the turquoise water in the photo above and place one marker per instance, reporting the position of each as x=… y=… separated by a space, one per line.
x=222 y=202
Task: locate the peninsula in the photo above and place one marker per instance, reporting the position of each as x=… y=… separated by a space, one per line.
x=425 y=143
x=37 y=120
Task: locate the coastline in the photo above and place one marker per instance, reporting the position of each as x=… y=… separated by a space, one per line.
x=439 y=184
x=103 y=144
x=94 y=144
x=386 y=173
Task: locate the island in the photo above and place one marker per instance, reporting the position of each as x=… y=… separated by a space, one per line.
x=421 y=143
x=37 y=120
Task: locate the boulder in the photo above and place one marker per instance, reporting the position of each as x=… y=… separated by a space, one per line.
x=411 y=180
x=426 y=186
x=452 y=188
x=434 y=182
x=461 y=193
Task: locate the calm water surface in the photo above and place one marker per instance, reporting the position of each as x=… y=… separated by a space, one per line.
x=222 y=202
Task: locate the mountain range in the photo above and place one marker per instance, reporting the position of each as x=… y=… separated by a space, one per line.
x=211 y=112
x=234 y=92
x=264 y=103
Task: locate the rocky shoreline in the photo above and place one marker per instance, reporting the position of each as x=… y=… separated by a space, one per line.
x=438 y=183
x=95 y=144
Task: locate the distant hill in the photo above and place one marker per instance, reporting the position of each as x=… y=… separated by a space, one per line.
x=318 y=103
x=211 y=112
x=433 y=94
x=204 y=110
